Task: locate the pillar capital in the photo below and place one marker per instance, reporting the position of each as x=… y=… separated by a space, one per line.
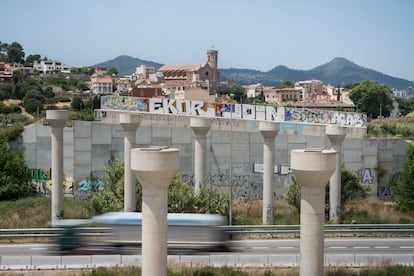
x=313 y=167
x=269 y=130
x=57 y=118
x=200 y=126
x=336 y=134
x=130 y=122
x=155 y=167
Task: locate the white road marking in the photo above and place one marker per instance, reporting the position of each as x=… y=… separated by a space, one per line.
x=38 y=248
x=337 y=247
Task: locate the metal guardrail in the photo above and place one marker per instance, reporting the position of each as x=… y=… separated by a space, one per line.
x=329 y=229
x=45 y=233
x=333 y=229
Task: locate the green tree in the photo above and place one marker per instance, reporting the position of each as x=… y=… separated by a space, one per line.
x=32 y=58
x=77 y=103
x=405 y=105
x=6 y=91
x=3 y=51
x=13 y=172
x=113 y=71
x=287 y=84
x=15 y=53
x=239 y=93
x=372 y=98
x=32 y=105
x=405 y=186
x=82 y=86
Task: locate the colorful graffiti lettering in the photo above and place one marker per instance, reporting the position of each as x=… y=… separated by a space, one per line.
x=45 y=186
x=236 y=111
x=90 y=186
x=39 y=174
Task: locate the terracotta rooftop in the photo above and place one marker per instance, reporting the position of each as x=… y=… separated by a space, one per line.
x=181 y=67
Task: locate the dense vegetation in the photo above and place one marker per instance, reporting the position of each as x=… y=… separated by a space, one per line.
x=372 y=98
x=12 y=173
x=392 y=128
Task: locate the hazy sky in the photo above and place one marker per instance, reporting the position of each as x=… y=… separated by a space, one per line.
x=261 y=34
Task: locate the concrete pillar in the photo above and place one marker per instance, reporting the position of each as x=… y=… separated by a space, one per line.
x=154 y=168
x=129 y=123
x=336 y=135
x=269 y=131
x=312 y=168
x=200 y=128
x=57 y=120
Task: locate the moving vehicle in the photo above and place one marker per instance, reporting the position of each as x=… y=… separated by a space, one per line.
x=186 y=232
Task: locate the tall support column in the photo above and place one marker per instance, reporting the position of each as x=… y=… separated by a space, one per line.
x=269 y=131
x=312 y=169
x=154 y=168
x=57 y=120
x=129 y=123
x=200 y=128
x=336 y=135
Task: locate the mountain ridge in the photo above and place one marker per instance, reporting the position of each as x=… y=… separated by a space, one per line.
x=336 y=72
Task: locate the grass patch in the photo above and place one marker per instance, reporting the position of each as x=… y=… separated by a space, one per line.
x=373 y=211
x=34 y=212
x=250 y=213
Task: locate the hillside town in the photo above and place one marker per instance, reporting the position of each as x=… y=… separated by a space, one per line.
x=189 y=82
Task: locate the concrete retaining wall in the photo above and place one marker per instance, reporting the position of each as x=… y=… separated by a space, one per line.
x=89 y=145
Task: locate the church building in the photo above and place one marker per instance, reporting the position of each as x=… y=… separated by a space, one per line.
x=192 y=81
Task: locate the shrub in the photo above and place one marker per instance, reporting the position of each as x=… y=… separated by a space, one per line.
x=13 y=172
x=181 y=196
x=405 y=186
x=293 y=194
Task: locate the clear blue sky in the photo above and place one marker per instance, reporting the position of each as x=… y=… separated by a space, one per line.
x=301 y=34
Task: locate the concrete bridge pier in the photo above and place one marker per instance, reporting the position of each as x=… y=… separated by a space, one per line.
x=312 y=168
x=200 y=128
x=154 y=168
x=336 y=135
x=129 y=123
x=57 y=120
x=269 y=131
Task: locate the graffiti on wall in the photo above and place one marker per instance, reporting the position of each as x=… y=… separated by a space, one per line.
x=243 y=186
x=235 y=111
x=41 y=182
x=325 y=117
x=367 y=176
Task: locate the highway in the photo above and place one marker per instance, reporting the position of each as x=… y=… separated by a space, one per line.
x=273 y=246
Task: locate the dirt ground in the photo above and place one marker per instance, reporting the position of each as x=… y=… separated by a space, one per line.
x=17 y=102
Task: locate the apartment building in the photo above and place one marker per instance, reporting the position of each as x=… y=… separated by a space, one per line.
x=51 y=66
x=282 y=95
x=311 y=88
x=101 y=82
